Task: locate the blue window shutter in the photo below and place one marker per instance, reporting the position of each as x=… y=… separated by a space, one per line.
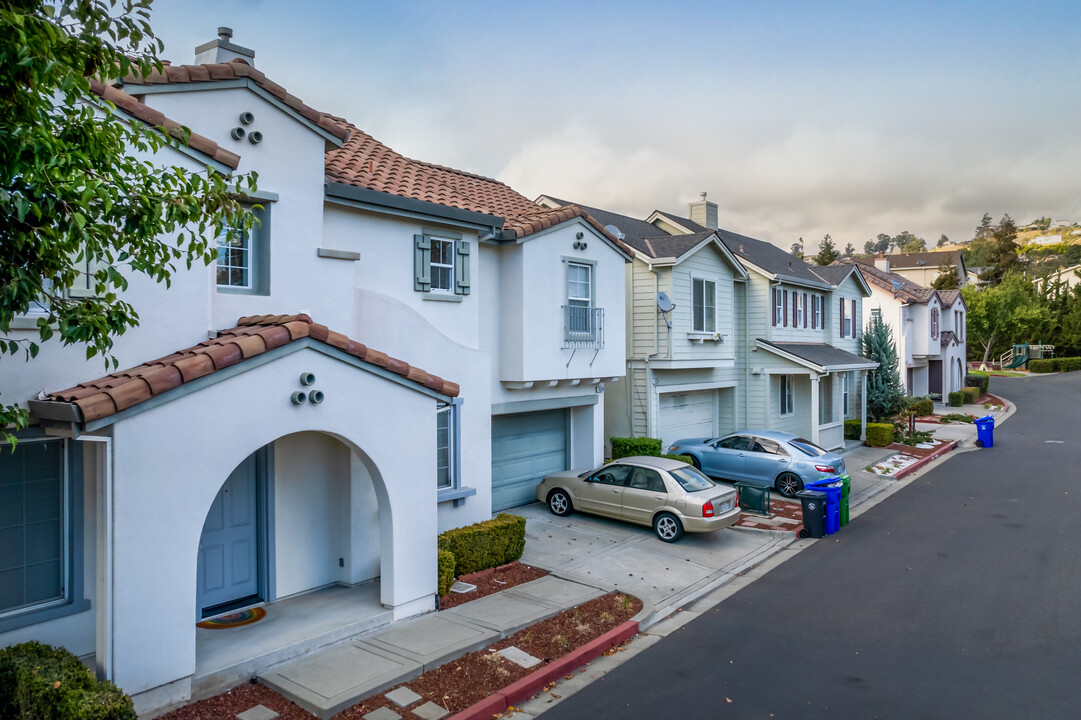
x=461 y=267
x=422 y=263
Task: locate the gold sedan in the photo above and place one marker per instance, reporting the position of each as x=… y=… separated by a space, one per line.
x=668 y=495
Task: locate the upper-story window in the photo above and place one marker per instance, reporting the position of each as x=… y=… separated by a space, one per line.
x=848 y=318
x=778 y=307
x=703 y=305
x=934 y=323
x=441 y=264
x=798 y=309
x=583 y=322
x=816 y=311
x=243 y=262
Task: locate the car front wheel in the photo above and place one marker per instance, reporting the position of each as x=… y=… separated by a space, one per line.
x=668 y=527
x=559 y=503
x=788 y=485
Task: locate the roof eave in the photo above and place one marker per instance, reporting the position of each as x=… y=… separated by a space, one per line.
x=378 y=201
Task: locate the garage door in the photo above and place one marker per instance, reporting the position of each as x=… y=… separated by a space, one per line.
x=525 y=448
x=686 y=415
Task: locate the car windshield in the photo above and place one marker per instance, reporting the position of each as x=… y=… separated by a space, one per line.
x=690 y=479
x=807 y=446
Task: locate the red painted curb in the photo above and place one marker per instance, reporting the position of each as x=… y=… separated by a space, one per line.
x=923 y=461
x=536 y=680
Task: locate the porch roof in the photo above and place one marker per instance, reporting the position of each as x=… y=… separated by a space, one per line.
x=818 y=356
x=253 y=336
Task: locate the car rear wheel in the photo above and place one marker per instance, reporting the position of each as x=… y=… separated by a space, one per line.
x=788 y=485
x=668 y=527
x=559 y=502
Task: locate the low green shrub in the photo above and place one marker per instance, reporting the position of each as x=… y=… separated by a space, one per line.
x=1068 y=364
x=970 y=393
x=1042 y=365
x=915 y=437
x=446 y=571
x=920 y=406
x=957 y=399
x=955 y=417
x=978 y=379
x=485 y=544
x=852 y=429
x=682 y=458
x=879 y=434
x=41 y=682
x=630 y=446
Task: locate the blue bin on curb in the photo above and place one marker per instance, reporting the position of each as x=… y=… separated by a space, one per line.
x=985 y=431
x=833 y=487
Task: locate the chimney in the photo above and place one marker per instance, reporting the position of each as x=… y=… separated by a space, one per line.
x=882 y=262
x=223 y=50
x=704 y=212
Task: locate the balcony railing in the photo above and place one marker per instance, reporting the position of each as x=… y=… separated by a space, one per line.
x=583 y=328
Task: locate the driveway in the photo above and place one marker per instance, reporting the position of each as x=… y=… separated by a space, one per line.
x=619 y=556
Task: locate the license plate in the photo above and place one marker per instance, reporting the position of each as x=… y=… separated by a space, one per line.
x=726 y=506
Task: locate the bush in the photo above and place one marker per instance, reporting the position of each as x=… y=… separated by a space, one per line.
x=921 y=406
x=682 y=458
x=1068 y=364
x=41 y=682
x=445 y=571
x=1044 y=365
x=485 y=544
x=955 y=417
x=852 y=429
x=879 y=434
x=957 y=399
x=627 y=447
x=970 y=393
x=977 y=379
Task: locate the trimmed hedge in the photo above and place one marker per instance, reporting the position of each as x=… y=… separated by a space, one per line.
x=446 y=571
x=630 y=446
x=879 y=434
x=978 y=380
x=970 y=393
x=957 y=399
x=852 y=429
x=682 y=458
x=485 y=544
x=1068 y=364
x=921 y=406
x=41 y=682
x=1044 y=365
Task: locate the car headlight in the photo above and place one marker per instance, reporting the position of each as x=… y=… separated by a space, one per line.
x=672 y=449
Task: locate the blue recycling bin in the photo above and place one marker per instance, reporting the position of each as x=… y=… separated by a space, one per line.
x=833 y=487
x=985 y=431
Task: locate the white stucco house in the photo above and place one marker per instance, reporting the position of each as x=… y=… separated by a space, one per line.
x=755 y=337
x=397 y=349
x=924 y=268
x=928 y=328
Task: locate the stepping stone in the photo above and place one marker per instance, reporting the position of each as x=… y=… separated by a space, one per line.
x=259 y=712
x=402 y=697
x=519 y=657
x=383 y=713
x=430 y=711
x=462 y=587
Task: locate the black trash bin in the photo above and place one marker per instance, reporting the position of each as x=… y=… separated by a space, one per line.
x=814 y=513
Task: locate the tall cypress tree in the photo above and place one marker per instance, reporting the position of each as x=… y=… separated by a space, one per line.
x=885 y=394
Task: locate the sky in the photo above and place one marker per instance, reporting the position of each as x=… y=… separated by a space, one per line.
x=798 y=119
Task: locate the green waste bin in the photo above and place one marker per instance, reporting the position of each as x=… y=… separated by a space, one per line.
x=753 y=498
x=846 y=486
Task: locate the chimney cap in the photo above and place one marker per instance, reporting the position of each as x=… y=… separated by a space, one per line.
x=225 y=33
x=702 y=195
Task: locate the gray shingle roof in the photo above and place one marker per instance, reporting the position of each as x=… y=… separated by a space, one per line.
x=634 y=231
x=768 y=256
x=669 y=245
x=901 y=287
x=820 y=354
x=833 y=274
x=685 y=222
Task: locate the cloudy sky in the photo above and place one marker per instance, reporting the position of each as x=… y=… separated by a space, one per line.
x=798 y=118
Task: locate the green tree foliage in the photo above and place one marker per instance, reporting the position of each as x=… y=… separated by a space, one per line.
x=850 y=250
x=978 y=252
x=914 y=245
x=827 y=253
x=1004 y=249
x=797 y=248
x=943 y=240
x=885 y=394
x=73 y=199
x=984 y=229
x=948 y=278
x=1003 y=314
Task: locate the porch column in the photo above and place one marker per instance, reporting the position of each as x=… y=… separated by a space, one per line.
x=814 y=409
x=863 y=406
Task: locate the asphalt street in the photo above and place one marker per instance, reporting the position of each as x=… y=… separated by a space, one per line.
x=957 y=597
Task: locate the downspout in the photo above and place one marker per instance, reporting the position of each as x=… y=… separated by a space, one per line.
x=745 y=342
x=104 y=655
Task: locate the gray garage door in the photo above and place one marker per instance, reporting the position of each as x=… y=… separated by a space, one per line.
x=525 y=448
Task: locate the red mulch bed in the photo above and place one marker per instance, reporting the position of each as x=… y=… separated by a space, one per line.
x=913 y=450
x=241 y=698
x=491 y=581
x=473 y=677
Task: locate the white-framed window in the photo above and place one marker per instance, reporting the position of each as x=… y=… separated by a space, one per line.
x=786 y=393
x=846 y=379
x=703 y=305
x=243 y=259
x=825 y=400
x=444 y=447
x=442 y=265
x=797 y=309
x=778 y=307
x=848 y=320
x=934 y=323
x=579 y=298
x=816 y=310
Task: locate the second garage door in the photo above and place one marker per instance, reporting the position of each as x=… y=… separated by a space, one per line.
x=525 y=448
x=687 y=415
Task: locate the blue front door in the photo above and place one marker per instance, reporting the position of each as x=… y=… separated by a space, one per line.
x=229 y=546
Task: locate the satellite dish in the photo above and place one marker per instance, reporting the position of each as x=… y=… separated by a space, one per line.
x=897 y=284
x=664 y=302
x=615 y=231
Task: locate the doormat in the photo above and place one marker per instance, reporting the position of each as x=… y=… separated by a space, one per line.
x=232 y=620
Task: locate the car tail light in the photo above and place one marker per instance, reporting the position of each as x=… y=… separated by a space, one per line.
x=824 y=468
x=707 y=509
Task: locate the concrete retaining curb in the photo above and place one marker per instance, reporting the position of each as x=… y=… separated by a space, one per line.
x=924 y=460
x=536 y=680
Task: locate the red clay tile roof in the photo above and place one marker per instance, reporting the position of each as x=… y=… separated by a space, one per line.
x=948 y=297
x=215 y=72
x=904 y=288
x=150 y=116
x=253 y=336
